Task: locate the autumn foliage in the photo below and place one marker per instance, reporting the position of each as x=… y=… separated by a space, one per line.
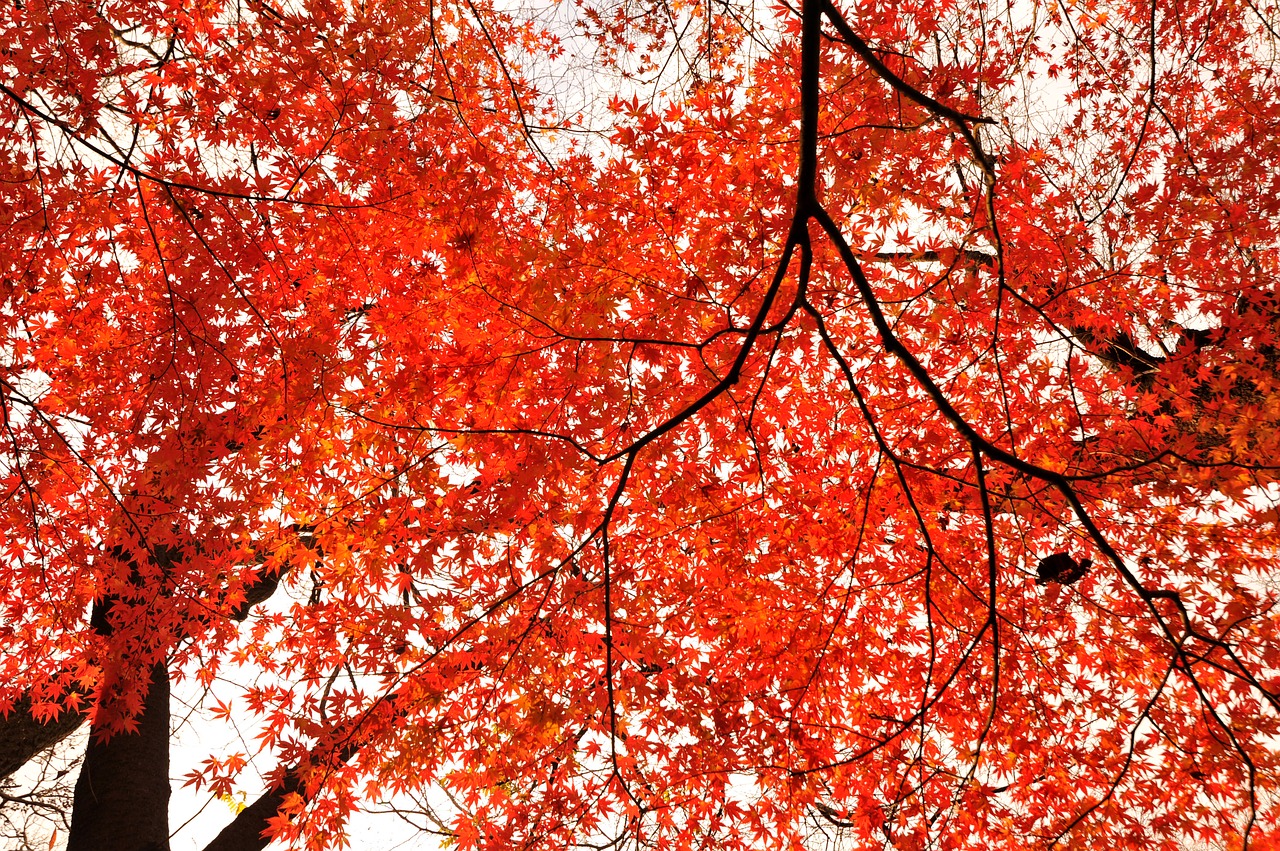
x=683 y=425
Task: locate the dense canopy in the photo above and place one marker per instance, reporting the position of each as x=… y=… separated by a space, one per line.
x=647 y=424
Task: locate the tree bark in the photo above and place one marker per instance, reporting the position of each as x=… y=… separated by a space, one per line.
x=23 y=736
x=122 y=795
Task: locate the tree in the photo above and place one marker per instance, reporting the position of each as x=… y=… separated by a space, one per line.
x=709 y=466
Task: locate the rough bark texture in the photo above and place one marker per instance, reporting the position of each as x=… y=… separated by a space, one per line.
x=122 y=795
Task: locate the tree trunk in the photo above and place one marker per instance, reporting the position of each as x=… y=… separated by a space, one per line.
x=122 y=795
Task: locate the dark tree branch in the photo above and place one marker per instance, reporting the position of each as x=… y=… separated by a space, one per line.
x=23 y=736
x=246 y=831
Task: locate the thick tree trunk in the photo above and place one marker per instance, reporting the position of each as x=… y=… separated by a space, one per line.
x=122 y=795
